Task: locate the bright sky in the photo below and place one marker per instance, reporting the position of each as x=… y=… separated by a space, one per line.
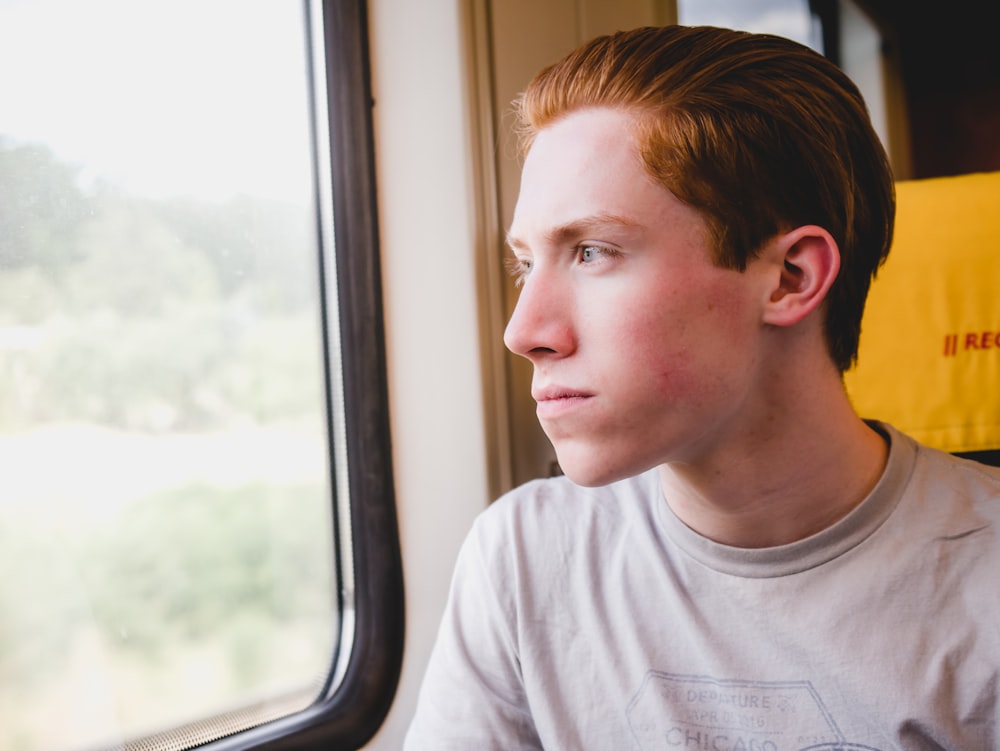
x=189 y=96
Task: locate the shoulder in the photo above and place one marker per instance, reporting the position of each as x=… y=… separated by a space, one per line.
x=942 y=475
x=918 y=467
x=950 y=499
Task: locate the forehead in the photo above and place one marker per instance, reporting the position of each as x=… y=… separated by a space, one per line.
x=583 y=144
x=585 y=165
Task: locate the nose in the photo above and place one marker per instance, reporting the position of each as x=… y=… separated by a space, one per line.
x=541 y=324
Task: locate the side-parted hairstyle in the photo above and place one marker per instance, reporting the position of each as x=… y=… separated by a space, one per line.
x=759 y=133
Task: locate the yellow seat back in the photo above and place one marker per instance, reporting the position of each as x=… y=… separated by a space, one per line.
x=929 y=359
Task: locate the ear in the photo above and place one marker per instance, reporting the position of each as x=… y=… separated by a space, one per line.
x=808 y=260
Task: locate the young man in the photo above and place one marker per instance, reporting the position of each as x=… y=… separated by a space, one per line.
x=734 y=560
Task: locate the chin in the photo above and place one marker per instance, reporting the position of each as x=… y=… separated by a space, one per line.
x=590 y=471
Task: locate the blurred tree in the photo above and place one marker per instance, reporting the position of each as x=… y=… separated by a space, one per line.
x=151 y=314
x=41 y=207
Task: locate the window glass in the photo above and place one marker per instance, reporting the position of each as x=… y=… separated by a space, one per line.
x=166 y=528
x=787 y=18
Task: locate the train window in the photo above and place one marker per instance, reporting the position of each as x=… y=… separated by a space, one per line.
x=197 y=534
x=788 y=18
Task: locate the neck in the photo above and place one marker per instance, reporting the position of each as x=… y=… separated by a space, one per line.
x=783 y=479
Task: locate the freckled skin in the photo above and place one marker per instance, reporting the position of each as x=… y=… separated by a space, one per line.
x=665 y=343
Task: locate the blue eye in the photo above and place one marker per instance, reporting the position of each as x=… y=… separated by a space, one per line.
x=595 y=255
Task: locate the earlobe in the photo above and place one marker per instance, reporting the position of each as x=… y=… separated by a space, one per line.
x=809 y=262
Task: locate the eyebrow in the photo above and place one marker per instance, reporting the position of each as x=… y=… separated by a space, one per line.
x=577 y=228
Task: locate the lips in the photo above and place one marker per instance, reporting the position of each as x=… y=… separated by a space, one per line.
x=552 y=393
x=556 y=400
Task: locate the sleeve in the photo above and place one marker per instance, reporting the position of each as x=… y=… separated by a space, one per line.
x=473 y=692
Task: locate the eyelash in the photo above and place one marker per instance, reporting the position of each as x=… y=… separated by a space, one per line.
x=519 y=268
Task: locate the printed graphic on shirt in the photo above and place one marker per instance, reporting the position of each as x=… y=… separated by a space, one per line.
x=696 y=713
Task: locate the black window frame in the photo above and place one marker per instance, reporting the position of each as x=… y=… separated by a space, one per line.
x=349 y=713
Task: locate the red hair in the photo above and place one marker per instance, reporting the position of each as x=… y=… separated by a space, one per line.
x=759 y=133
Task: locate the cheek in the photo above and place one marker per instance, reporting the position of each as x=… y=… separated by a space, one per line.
x=692 y=352
x=676 y=335
x=656 y=357
x=682 y=382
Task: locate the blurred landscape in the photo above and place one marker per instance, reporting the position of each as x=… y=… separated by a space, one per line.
x=166 y=534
